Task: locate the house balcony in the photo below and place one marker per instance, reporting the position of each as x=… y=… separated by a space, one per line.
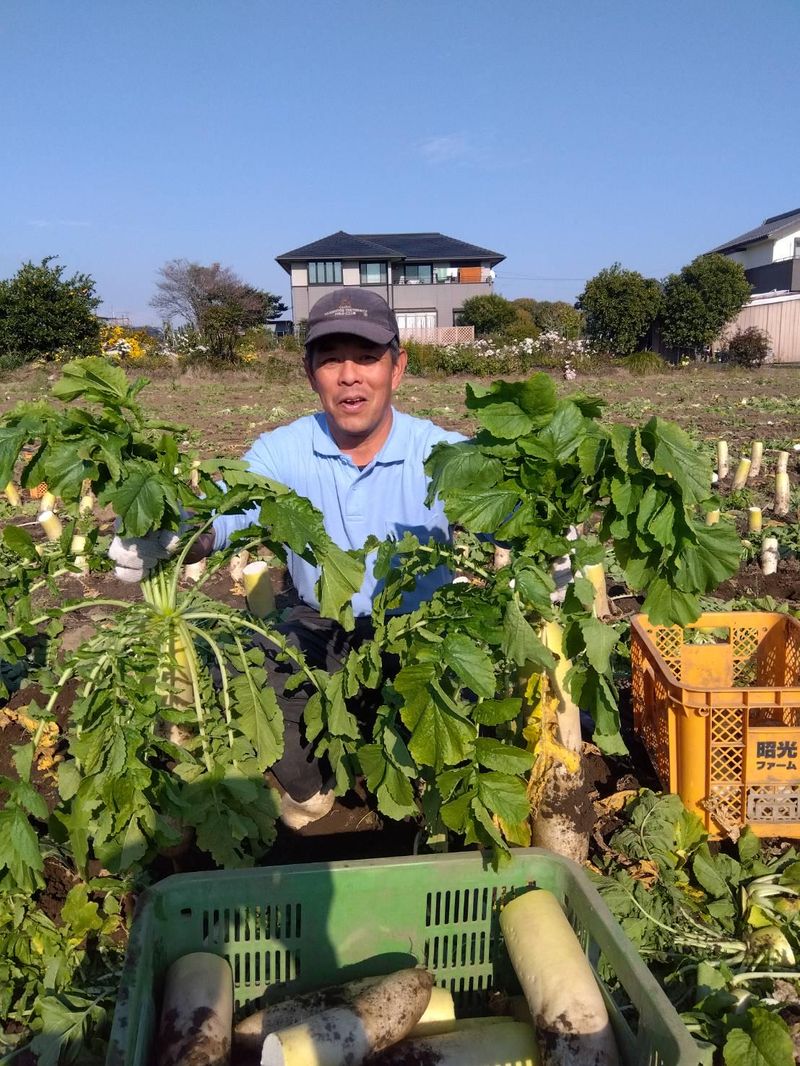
x=456 y=276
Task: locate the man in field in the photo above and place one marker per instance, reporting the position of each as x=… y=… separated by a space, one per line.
x=360 y=462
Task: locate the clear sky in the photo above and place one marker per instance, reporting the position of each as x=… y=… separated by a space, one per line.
x=564 y=135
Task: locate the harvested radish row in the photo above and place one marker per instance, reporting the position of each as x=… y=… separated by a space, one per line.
x=483 y=1042
x=558 y=982
x=196 y=1012
x=383 y=1014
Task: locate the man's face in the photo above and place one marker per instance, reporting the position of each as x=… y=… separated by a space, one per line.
x=355 y=380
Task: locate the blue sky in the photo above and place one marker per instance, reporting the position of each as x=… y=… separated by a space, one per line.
x=563 y=135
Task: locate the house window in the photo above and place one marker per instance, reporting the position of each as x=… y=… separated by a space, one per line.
x=458 y=316
x=373 y=273
x=328 y=272
x=419 y=274
x=416 y=320
x=797 y=247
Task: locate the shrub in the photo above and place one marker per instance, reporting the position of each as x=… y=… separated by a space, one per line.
x=643 y=363
x=620 y=307
x=748 y=347
x=45 y=315
x=121 y=344
x=488 y=314
x=12 y=360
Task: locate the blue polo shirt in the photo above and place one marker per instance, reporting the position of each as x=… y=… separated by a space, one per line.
x=385 y=499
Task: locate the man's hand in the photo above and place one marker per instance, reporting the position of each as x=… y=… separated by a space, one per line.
x=135 y=557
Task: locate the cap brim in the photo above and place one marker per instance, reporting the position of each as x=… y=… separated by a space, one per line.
x=368 y=331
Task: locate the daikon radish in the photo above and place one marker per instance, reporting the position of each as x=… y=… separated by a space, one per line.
x=756 y=455
x=740 y=477
x=194 y=571
x=237 y=564
x=439 y=1016
x=770 y=555
x=12 y=494
x=196 y=1012
x=502 y=557
x=783 y=463
x=86 y=505
x=597 y=575
x=487 y=1042
x=558 y=983
x=782 y=493
x=753 y=519
x=50 y=524
x=712 y=517
x=47 y=502
x=722 y=459
x=380 y=1016
x=258 y=589
x=251 y=1032
x=77 y=547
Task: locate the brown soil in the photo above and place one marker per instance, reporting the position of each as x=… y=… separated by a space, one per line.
x=751 y=582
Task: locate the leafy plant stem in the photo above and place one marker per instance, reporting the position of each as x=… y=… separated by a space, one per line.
x=184 y=634
x=217 y=652
x=59 y=611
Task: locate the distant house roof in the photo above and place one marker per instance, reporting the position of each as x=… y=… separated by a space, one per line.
x=769 y=228
x=411 y=247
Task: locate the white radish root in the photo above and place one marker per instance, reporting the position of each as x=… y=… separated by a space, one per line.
x=558 y=982
x=483 y=1042
x=251 y=1032
x=382 y=1015
x=196 y=1012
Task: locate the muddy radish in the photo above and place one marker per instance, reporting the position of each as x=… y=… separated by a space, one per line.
x=196 y=1012
x=380 y=1016
x=558 y=982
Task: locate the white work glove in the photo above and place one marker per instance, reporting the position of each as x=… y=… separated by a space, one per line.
x=135 y=557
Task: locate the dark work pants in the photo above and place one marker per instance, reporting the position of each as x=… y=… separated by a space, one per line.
x=325 y=645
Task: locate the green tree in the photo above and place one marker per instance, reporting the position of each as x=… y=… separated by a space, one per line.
x=620 y=307
x=701 y=299
x=554 y=316
x=43 y=313
x=488 y=314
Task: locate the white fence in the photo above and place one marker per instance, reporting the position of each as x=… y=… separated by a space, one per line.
x=439 y=334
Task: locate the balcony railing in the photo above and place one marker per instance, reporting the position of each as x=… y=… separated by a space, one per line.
x=463 y=277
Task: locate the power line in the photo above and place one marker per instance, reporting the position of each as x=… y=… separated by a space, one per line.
x=525 y=277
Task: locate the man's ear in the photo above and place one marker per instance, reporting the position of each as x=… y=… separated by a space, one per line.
x=308 y=366
x=399 y=368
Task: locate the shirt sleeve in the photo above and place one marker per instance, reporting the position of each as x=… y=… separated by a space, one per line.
x=260 y=460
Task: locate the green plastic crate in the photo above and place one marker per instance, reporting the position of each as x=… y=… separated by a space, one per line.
x=322 y=923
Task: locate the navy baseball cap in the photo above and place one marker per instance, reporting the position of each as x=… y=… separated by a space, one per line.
x=357 y=312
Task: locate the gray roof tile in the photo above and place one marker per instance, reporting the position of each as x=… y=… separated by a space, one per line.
x=413 y=247
x=768 y=228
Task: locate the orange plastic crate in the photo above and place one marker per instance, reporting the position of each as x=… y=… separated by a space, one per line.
x=720 y=718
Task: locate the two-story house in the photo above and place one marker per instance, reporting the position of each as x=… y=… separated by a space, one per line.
x=424 y=277
x=770 y=253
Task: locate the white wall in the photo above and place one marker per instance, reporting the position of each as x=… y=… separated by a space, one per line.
x=299 y=274
x=784 y=246
x=351 y=274
x=757 y=255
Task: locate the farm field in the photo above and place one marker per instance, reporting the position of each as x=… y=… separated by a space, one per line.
x=226 y=411
x=121 y=762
